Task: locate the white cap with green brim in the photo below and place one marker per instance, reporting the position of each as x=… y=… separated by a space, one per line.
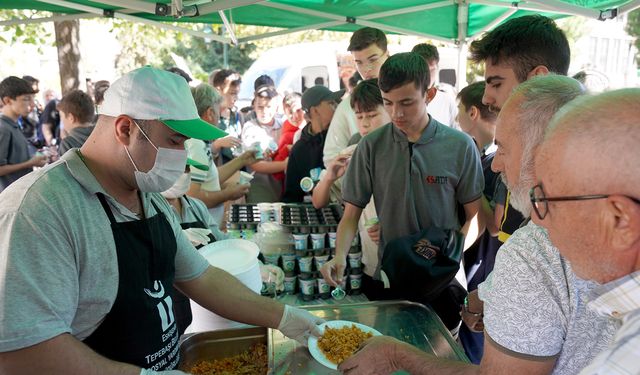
x=153 y=94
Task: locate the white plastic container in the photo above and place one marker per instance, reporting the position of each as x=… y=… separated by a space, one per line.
x=240 y=259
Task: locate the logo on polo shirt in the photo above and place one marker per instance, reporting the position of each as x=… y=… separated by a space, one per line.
x=437 y=180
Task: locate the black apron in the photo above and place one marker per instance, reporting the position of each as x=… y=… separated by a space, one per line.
x=140 y=329
x=199 y=223
x=181 y=303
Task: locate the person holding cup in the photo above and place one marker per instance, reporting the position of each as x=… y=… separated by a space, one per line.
x=366 y=102
x=416 y=169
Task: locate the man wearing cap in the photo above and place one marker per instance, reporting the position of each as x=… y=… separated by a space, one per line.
x=319 y=105
x=17 y=98
x=87 y=271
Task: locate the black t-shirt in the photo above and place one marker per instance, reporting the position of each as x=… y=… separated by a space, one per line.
x=305 y=155
x=51 y=115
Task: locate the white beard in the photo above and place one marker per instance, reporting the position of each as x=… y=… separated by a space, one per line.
x=520 y=192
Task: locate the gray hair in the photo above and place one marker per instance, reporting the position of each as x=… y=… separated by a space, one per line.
x=205 y=97
x=542 y=97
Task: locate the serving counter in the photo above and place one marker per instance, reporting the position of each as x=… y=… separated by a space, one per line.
x=406 y=321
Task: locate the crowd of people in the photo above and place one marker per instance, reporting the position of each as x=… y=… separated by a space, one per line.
x=524 y=180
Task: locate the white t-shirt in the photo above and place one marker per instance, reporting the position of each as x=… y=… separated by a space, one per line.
x=534 y=304
x=264 y=187
x=444 y=109
x=343 y=126
x=209 y=180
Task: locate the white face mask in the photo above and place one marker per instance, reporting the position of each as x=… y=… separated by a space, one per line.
x=178 y=189
x=166 y=170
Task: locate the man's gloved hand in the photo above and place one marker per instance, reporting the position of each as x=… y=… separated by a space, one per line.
x=197 y=236
x=298 y=324
x=168 y=372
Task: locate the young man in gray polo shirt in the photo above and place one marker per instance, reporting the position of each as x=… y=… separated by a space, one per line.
x=17 y=97
x=416 y=169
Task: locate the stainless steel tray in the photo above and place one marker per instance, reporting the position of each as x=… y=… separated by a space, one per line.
x=213 y=345
x=410 y=322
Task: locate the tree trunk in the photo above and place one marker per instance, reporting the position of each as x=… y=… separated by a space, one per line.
x=67 y=42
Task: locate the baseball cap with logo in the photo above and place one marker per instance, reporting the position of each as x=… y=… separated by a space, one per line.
x=315 y=95
x=153 y=94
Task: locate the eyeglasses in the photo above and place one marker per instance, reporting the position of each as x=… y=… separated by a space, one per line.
x=541 y=207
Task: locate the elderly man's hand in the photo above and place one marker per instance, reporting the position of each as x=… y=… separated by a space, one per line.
x=298 y=324
x=377 y=355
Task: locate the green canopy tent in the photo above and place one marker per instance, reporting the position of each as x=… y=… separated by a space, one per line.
x=456 y=22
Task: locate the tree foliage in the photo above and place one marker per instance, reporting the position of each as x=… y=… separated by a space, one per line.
x=36 y=34
x=633 y=28
x=141 y=44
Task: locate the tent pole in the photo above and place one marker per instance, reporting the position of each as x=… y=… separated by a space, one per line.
x=556 y=7
x=463 y=26
x=417 y=8
x=358 y=21
x=214 y=6
x=127 y=17
x=629 y=7
x=136 y=5
x=301 y=10
x=228 y=28
x=29 y=21
x=566 y=8
x=290 y=31
x=400 y=30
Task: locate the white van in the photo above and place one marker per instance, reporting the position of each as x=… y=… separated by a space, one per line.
x=295 y=68
x=299 y=66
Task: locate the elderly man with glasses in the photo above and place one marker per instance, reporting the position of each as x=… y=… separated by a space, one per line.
x=587 y=199
x=535 y=316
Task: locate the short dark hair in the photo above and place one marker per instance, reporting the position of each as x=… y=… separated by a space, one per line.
x=472 y=96
x=429 y=52
x=180 y=72
x=222 y=75
x=524 y=43
x=13 y=87
x=403 y=68
x=31 y=80
x=290 y=98
x=99 y=88
x=79 y=104
x=365 y=37
x=366 y=96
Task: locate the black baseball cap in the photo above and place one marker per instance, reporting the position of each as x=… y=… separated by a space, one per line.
x=315 y=95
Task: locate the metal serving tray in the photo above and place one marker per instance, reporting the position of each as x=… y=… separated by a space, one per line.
x=410 y=322
x=213 y=345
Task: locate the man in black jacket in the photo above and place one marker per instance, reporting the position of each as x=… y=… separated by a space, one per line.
x=319 y=104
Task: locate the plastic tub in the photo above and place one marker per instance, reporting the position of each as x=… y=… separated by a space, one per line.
x=240 y=259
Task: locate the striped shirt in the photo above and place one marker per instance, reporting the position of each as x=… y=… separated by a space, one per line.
x=619 y=299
